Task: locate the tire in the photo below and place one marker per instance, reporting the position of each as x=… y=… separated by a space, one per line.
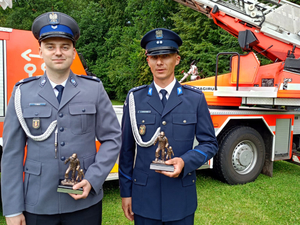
x=241 y=156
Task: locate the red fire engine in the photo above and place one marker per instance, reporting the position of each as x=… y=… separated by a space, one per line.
x=255 y=109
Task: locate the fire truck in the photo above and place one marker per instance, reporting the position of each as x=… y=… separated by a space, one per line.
x=19 y=59
x=255 y=108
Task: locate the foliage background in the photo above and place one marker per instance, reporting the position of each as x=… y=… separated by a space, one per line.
x=111 y=32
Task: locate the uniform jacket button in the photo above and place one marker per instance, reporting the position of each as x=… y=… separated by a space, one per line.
x=164 y=123
x=83 y=110
x=62 y=143
x=63 y=158
x=61 y=129
x=60 y=115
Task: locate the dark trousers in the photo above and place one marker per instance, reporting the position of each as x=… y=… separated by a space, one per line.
x=139 y=220
x=90 y=216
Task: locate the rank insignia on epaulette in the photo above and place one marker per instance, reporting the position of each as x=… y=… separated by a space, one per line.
x=90 y=77
x=137 y=88
x=36 y=122
x=193 y=88
x=27 y=80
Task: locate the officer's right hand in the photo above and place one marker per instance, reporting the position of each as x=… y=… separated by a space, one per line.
x=126 y=206
x=16 y=220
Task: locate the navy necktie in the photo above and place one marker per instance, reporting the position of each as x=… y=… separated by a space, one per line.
x=164 y=98
x=60 y=89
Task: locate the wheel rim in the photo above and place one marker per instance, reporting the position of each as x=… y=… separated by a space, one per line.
x=244 y=157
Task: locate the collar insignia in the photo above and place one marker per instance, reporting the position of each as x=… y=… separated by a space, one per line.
x=179 y=90
x=150 y=91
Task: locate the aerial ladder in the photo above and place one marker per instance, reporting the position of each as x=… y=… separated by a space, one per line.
x=255 y=108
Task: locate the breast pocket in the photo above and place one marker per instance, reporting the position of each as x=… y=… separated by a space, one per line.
x=146 y=125
x=37 y=118
x=83 y=118
x=184 y=126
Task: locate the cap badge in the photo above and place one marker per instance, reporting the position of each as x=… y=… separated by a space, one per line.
x=53 y=18
x=54 y=27
x=159 y=34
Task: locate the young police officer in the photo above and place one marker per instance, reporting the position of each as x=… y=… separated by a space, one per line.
x=57 y=115
x=160 y=197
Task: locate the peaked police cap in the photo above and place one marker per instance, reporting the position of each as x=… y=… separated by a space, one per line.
x=161 y=41
x=55 y=24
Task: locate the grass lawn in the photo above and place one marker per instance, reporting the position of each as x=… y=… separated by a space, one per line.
x=115 y=102
x=266 y=201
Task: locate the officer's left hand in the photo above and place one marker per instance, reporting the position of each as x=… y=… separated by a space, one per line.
x=86 y=186
x=178 y=164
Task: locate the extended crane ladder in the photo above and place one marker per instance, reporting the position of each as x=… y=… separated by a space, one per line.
x=277 y=19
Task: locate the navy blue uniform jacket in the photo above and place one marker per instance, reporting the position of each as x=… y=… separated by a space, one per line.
x=184 y=117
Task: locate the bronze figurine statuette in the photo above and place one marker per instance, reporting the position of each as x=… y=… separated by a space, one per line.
x=163 y=152
x=67 y=184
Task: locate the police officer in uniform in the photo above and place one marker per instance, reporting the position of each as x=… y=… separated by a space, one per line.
x=56 y=115
x=181 y=112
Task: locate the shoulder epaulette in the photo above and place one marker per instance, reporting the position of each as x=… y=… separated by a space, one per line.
x=89 y=77
x=137 y=88
x=192 y=88
x=26 y=80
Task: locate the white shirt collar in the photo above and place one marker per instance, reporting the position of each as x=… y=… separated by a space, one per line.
x=169 y=88
x=54 y=84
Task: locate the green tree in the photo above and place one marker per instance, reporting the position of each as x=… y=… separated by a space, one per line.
x=128 y=66
x=24 y=12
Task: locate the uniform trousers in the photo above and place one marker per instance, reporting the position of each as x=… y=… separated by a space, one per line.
x=139 y=220
x=89 y=216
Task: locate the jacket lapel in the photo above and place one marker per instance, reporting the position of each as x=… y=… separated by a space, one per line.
x=70 y=90
x=154 y=100
x=47 y=92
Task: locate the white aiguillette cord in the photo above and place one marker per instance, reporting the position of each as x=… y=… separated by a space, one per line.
x=19 y=113
x=134 y=127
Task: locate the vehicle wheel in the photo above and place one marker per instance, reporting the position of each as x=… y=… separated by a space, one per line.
x=241 y=156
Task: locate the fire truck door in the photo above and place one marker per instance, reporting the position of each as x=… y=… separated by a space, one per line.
x=282 y=138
